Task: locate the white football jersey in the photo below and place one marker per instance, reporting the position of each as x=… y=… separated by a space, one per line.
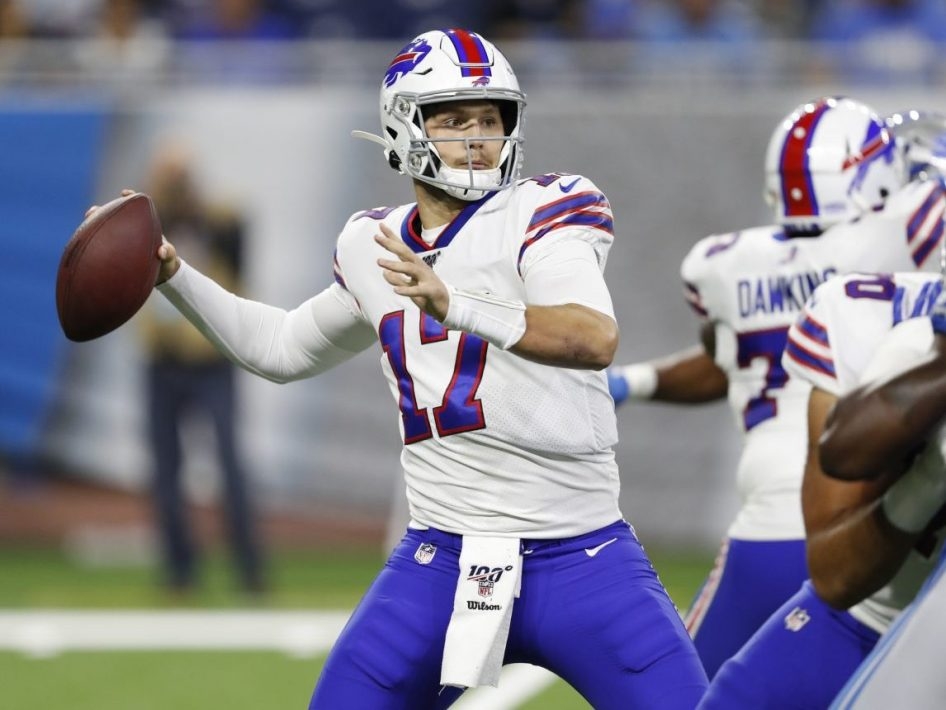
x=829 y=347
x=494 y=443
x=752 y=284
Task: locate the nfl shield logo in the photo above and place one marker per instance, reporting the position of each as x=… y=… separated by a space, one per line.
x=425 y=553
x=796 y=619
x=486 y=588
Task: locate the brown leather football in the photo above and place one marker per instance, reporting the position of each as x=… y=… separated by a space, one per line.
x=108 y=267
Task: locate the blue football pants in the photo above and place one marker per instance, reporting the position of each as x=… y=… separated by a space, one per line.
x=750 y=580
x=591 y=610
x=798 y=660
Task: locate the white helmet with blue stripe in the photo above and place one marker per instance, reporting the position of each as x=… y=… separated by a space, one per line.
x=439 y=66
x=830 y=161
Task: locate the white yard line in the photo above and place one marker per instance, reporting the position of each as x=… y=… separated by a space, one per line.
x=519 y=682
x=44 y=634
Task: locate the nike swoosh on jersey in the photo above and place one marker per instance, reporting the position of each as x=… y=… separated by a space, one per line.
x=592 y=551
x=569 y=186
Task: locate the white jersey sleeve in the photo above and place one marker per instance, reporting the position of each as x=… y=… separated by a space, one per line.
x=835 y=335
x=282 y=345
x=566 y=246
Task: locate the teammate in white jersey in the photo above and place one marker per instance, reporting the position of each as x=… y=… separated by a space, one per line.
x=489 y=304
x=870 y=543
x=868 y=433
x=835 y=176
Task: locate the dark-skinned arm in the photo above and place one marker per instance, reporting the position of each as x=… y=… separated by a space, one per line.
x=689 y=376
x=853 y=550
x=874 y=428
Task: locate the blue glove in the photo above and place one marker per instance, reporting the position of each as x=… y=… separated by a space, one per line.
x=618 y=387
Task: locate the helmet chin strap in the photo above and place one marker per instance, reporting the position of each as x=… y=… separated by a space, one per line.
x=480 y=182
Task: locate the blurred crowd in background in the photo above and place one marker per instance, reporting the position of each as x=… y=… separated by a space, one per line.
x=870 y=39
x=568 y=19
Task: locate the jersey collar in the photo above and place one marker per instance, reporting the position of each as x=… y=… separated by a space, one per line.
x=411 y=228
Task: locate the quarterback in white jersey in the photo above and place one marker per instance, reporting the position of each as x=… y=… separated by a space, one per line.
x=868 y=552
x=836 y=180
x=488 y=301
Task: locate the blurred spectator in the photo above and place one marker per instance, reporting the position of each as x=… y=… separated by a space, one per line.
x=13 y=26
x=125 y=45
x=721 y=38
x=609 y=19
x=238 y=20
x=187 y=377
x=697 y=21
x=13 y=22
x=385 y=19
x=882 y=41
x=546 y=19
x=58 y=18
x=236 y=41
x=785 y=19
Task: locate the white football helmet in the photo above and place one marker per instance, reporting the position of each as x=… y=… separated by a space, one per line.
x=449 y=65
x=921 y=136
x=829 y=161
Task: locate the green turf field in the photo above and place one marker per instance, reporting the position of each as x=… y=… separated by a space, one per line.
x=147 y=680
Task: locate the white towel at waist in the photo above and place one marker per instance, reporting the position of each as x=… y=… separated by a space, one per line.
x=490 y=574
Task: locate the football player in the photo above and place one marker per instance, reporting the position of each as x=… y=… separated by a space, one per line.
x=868 y=432
x=836 y=179
x=487 y=299
x=871 y=543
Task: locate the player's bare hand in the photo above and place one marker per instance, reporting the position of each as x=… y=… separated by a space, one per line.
x=411 y=277
x=170 y=262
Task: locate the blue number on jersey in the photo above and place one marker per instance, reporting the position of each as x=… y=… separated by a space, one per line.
x=459 y=410
x=768 y=345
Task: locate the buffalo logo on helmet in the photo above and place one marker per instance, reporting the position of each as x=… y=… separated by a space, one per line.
x=481 y=81
x=406 y=61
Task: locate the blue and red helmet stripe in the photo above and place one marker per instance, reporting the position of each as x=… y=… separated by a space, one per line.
x=474 y=59
x=798 y=193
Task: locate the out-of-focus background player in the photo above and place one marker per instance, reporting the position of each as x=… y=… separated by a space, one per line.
x=868 y=435
x=835 y=176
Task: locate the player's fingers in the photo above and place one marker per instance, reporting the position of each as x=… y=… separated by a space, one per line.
x=399 y=281
x=91 y=210
x=402 y=267
x=394 y=245
x=126 y=191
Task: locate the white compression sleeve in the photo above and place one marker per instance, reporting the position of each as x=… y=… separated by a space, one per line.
x=273 y=343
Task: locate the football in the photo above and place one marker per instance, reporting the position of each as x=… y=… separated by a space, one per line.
x=108 y=267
